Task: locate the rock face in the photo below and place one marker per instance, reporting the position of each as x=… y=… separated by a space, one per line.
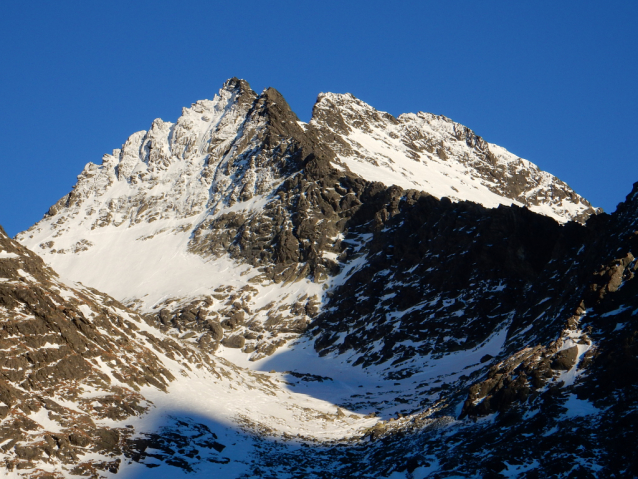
x=442 y=270
x=433 y=311
x=573 y=390
x=71 y=359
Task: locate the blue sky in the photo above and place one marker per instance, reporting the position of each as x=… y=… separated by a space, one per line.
x=553 y=82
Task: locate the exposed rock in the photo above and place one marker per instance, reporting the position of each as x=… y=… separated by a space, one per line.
x=565 y=359
x=216 y=330
x=237 y=341
x=451 y=302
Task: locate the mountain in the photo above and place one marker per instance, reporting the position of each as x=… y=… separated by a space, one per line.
x=358 y=296
x=241 y=181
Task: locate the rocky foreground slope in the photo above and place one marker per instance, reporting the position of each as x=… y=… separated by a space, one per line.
x=308 y=320
x=90 y=389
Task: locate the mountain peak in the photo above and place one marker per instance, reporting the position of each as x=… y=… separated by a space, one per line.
x=435 y=154
x=236 y=84
x=335 y=98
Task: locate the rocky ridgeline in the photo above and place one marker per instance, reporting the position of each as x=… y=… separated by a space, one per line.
x=439 y=277
x=579 y=390
x=606 y=291
x=434 y=154
x=166 y=172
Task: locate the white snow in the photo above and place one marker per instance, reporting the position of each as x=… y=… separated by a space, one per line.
x=42 y=418
x=346 y=380
x=436 y=177
x=513 y=470
x=86 y=310
x=421 y=472
x=579 y=407
x=227 y=405
x=26 y=276
x=616 y=311
x=571 y=339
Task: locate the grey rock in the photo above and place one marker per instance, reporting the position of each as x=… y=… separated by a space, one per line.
x=237 y=341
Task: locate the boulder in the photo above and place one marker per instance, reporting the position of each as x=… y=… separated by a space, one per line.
x=565 y=359
x=237 y=341
x=216 y=330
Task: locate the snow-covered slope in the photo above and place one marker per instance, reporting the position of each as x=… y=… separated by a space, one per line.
x=150 y=204
x=232 y=219
x=434 y=154
x=294 y=317
x=91 y=388
x=88 y=387
x=144 y=214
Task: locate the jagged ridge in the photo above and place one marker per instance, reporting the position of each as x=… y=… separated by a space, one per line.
x=240 y=177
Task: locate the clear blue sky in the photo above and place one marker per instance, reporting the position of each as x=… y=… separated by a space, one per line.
x=553 y=82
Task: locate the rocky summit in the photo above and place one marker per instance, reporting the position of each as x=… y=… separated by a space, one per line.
x=243 y=294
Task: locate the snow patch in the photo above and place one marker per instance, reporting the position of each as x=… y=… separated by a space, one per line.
x=579 y=407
